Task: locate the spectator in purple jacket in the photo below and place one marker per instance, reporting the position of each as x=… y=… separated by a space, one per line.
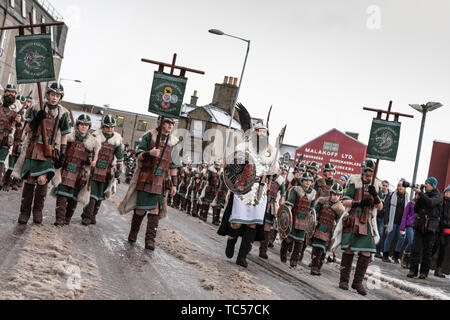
x=407 y=231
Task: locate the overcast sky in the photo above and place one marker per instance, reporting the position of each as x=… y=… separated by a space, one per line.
x=317 y=62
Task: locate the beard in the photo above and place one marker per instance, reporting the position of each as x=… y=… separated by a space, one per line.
x=260 y=144
x=8 y=100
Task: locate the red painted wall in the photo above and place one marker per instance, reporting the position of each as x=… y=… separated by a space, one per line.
x=440 y=164
x=347 y=159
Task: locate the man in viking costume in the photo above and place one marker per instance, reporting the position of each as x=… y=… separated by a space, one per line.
x=210 y=189
x=301 y=201
x=244 y=214
x=9 y=118
x=190 y=189
x=183 y=184
x=294 y=178
x=194 y=192
x=220 y=199
x=329 y=209
x=323 y=185
x=357 y=229
x=107 y=169
x=313 y=167
x=8 y=182
x=34 y=166
x=82 y=149
x=146 y=191
x=276 y=194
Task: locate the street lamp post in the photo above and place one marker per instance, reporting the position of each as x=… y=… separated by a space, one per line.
x=221 y=33
x=424 y=109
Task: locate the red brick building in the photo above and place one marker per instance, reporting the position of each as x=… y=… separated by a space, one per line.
x=440 y=164
x=335 y=147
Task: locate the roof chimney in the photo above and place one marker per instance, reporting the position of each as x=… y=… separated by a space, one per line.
x=225 y=94
x=194 y=98
x=225 y=80
x=230 y=80
x=235 y=82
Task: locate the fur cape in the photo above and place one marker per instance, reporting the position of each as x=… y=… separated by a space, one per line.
x=115 y=140
x=17 y=172
x=337 y=236
x=92 y=145
x=301 y=193
x=129 y=202
x=338 y=207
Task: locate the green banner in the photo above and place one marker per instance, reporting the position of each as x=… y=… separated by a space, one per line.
x=34 y=59
x=384 y=140
x=167 y=95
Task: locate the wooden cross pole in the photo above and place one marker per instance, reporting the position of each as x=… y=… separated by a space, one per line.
x=183 y=71
x=43 y=27
x=380 y=112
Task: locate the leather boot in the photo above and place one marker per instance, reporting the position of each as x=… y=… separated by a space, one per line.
x=302 y=251
x=216 y=215
x=231 y=242
x=188 y=207
x=71 y=206
x=204 y=212
x=136 y=222
x=195 y=209
x=346 y=268
x=438 y=273
x=39 y=199
x=152 y=227
x=405 y=260
x=2 y=171
x=97 y=206
x=298 y=245
x=61 y=205
x=284 y=250
x=246 y=246
x=290 y=246
x=7 y=181
x=87 y=212
x=386 y=257
x=360 y=272
x=17 y=184
x=263 y=245
x=413 y=272
x=27 y=202
x=396 y=257
x=316 y=261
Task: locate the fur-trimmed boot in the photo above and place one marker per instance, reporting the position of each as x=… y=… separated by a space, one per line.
x=316 y=261
x=39 y=199
x=183 y=203
x=360 y=272
x=188 y=207
x=71 y=206
x=195 y=208
x=346 y=268
x=152 y=227
x=290 y=246
x=295 y=256
x=246 y=246
x=263 y=245
x=273 y=236
x=136 y=222
x=27 y=203
x=60 y=211
x=231 y=242
x=87 y=212
x=17 y=184
x=216 y=215
x=204 y=212
x=284 y=250
x=97 y=206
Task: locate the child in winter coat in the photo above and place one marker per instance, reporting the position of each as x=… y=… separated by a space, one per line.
x=407 y=231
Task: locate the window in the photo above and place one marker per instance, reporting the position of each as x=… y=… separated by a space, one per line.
x=120 y=121
x=24 y=8
x=13 y=3
x=330 y=146
x=142 y=125
x=197 y=128
x=34 y=14
x=3 y=40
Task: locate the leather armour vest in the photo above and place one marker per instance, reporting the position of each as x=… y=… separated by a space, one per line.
x=76 y=158
x=102 y=170
x=325 y=224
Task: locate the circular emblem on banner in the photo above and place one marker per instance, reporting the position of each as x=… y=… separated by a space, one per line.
x=384 y=140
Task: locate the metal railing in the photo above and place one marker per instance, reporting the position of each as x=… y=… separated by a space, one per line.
x=46 y=5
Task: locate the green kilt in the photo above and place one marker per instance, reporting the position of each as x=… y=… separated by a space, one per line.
x=268 y=217
x=12 y=161
x=317 y=243
x=3 y=154
x=359 y=242
x=98 y=190
x=148 y=201
x=67 y=192
x=295 y=234
x=37 y=168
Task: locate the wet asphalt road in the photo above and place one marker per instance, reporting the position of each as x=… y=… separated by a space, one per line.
x=128 y=271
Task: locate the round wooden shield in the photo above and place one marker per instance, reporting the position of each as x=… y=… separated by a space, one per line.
x=284 y=220
x=239 y=173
